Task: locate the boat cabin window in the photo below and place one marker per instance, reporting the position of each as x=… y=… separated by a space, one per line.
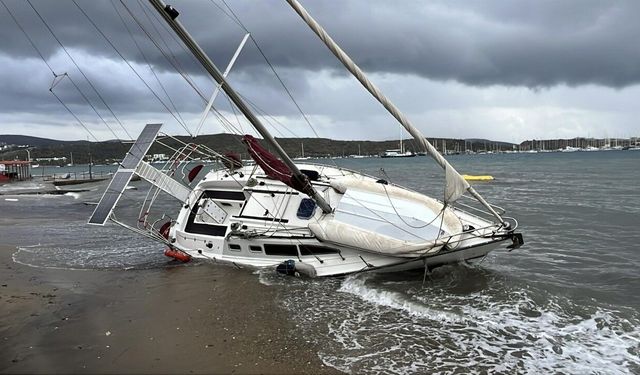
x=317 y=250
x=255 y=249
x=282 y=250
x=234 y=247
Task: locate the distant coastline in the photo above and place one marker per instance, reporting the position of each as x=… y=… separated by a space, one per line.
x=55 y=152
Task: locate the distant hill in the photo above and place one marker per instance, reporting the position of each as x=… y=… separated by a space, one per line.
x=109 y=151
x=32 y=141
x=489 y=142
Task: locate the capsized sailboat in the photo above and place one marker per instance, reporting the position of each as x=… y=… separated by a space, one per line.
x=307 y=218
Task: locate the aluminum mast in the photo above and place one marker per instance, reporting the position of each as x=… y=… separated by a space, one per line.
x=170 y=14
x=395 y=112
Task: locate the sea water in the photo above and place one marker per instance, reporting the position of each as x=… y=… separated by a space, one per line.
x=566 y=302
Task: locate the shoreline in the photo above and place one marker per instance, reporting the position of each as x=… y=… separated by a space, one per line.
x=192 y=319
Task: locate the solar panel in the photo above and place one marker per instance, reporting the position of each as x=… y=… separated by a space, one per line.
x=122 y=177
x=110 y=197
x=141 y=146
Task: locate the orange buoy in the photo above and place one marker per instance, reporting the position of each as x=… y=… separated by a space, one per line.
x=177 y=255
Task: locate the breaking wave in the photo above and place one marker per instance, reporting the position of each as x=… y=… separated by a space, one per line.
x=376 y=324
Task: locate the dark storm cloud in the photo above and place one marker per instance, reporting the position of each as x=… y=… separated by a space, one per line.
x=451 y=65
x=534 y=44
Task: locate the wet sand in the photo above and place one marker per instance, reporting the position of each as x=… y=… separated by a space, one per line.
x=193 y=319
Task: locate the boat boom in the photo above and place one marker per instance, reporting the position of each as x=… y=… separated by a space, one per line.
x=386 y=103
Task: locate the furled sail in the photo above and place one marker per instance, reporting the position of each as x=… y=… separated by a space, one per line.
x=275 y=168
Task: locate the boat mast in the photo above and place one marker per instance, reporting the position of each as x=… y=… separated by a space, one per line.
x=395 y=112
x=170 y=14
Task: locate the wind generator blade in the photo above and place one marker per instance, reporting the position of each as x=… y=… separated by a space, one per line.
x=121 y=178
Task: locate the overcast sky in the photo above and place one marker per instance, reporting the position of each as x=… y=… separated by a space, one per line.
x=503 y=70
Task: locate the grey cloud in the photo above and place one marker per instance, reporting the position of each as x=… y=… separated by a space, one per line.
x=531 y=44
x=426 y=47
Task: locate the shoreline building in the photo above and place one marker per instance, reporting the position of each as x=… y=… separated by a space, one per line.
x=14 y=170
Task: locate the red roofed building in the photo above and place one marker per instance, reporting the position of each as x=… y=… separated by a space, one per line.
x=14 y=170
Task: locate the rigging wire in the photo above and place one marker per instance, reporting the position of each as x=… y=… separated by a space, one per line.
x=144 y=56
x=78 y=67
x=269 y=118
x=88 y=102
x=226 y=124
x=173 y=60
x=74 y=115
x=55 y=81
x=237 y=20
x=223 y=120
x=442 y=210
x=130 y=66
x=255 y=42
x=29 y=38
x=235 y=113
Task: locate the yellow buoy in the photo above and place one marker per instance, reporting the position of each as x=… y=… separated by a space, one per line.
x=469 y=177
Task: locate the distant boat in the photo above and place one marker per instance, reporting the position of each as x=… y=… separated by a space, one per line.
x=302 y=157
x=570 y=149
x=398 y=153
x=359 y=156
x=590 y=149
x=71 y=156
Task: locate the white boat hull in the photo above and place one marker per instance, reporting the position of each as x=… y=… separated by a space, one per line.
x=256 y=225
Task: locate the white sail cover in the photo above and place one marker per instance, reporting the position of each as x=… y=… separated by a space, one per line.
x=386 y=219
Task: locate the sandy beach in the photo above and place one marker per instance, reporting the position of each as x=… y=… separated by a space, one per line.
x=193 y=319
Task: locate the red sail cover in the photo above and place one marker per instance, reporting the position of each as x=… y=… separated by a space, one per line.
x=274 y=167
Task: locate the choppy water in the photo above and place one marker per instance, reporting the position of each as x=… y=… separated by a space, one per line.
x=567 y=302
